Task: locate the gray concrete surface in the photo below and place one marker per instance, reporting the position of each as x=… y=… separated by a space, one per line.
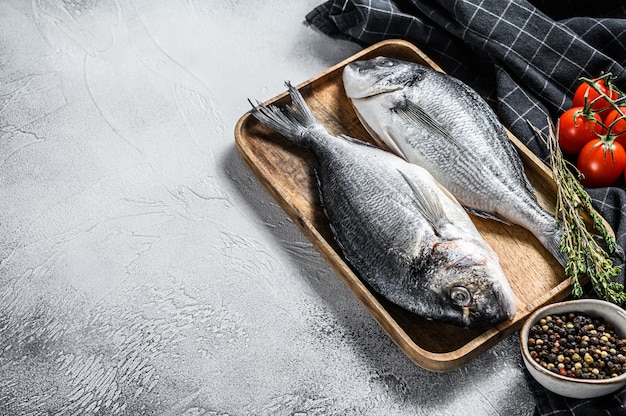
x=143 y=269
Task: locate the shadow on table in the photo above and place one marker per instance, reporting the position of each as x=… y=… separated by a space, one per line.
x=387 y=362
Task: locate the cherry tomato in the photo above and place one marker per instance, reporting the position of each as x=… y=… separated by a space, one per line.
x=601 y=163
x=584 y=88
x=575 y=130
x=619 y=127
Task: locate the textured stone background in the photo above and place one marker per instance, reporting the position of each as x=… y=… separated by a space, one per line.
x=143 y=269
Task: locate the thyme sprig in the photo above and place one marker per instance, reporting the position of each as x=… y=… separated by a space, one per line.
x=584 y=253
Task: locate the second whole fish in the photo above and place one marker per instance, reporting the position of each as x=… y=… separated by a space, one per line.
x=436 y=121
x=402 y=233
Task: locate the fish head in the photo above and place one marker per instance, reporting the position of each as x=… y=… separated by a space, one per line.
x=468 y=288
x=380 y=75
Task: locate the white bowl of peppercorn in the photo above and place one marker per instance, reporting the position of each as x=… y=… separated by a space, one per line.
x=576 y=348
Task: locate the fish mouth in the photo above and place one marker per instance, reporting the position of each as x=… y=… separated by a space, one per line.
x=506 y=303
x=384 y=84
x=466 y=317
x=388 y=91
x=409 y=83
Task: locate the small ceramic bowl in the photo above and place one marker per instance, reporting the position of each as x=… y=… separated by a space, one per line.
x=569 y=386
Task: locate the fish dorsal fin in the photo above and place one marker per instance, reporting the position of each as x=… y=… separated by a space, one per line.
x=413 y=113
x=430 y=208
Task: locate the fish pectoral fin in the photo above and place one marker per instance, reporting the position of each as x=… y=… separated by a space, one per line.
x=487 y=215
x=430 y=208
x=413 y=113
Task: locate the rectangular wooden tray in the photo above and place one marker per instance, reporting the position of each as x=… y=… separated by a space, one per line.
x=286 y=172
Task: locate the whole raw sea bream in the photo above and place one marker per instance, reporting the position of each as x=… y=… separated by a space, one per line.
x=436 y=121
x=400 y=230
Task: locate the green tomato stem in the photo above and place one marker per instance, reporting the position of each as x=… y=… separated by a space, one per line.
x=616 y=104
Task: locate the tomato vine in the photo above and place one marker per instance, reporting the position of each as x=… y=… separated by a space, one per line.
x=598 y=116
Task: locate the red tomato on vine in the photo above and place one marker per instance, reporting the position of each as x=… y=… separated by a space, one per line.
x=617 y=124
x=592 y=94
x=602 y=163
x=576 y=130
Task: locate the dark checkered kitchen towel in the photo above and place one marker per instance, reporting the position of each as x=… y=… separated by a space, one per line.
x=525 y=57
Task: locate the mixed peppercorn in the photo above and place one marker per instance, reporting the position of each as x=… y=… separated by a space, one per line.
x=577 y=345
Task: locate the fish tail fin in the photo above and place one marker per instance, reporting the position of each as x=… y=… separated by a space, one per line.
x=293 y=123
x=306 y=117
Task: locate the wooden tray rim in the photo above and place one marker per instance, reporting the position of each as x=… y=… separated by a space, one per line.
x=434 y=361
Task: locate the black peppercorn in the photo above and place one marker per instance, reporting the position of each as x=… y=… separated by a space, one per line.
x=577 y=345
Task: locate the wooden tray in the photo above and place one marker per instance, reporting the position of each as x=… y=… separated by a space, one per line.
x=286 y=172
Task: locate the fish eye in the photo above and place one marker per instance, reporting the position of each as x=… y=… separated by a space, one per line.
x=460 y=296
x=385 y=62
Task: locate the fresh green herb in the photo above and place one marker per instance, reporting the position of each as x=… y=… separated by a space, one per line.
x=585 y=254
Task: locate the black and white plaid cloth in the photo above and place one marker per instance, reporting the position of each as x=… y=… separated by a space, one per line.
x=525 y=57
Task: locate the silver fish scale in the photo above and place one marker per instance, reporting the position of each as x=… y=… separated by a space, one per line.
x=488 y=177
x=441 y=124
x=372 y=196
x=471 y=172
x=377 y=224
x=403 y=234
